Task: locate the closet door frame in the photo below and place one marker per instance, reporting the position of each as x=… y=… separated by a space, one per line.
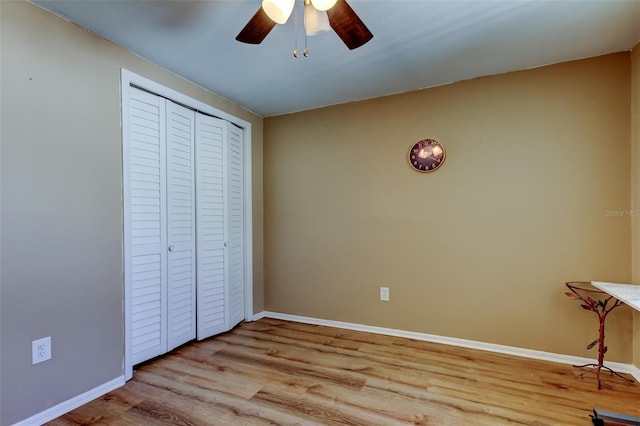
x=129 y=79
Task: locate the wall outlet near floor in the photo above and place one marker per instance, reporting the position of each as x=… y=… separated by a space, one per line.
x=40 y=350
x=384 y=294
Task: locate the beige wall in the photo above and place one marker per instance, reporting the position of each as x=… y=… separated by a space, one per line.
x=61 y=265
x=635 y=195
x=537 y=169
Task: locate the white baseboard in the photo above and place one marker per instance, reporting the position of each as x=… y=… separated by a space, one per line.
x=635 y=372
x=259 y=315
x=471 y=344
x=71 y=404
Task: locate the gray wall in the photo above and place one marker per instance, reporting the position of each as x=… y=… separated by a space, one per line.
x=61 y=219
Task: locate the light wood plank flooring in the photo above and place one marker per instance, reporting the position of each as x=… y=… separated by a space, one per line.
x=280 y=372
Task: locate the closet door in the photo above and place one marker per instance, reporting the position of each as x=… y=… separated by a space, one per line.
x=235 y=186
x=181 y=258
x=145 y=224
x=184 y=220
x=212 y=217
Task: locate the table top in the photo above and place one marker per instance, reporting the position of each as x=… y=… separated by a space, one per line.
x=627 y=293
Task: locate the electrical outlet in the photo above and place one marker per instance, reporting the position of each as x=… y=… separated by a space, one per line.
x=40 y=350
x=384 y=294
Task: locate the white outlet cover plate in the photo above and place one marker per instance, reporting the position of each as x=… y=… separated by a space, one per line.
x=41 y=350
x=384 y=294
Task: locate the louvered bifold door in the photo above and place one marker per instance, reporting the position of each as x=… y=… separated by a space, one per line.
x=235 y=160
x=211 y=202
x=145 y=224
x=181 y=267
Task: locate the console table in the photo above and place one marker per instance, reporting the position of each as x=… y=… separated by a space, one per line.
x=630 y=295
x=600 y=303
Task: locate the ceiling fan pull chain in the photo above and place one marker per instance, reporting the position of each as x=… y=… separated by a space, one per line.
x=305 y=52
x=295 y=31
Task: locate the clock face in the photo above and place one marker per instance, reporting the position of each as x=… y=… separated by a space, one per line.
x=426 y=155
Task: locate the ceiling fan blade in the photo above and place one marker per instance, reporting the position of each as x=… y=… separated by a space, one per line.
x=349 y=27
x=256 y=29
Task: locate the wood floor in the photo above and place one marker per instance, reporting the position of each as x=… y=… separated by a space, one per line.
x=280 y=372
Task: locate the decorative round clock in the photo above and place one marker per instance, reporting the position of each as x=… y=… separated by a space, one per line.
x=426 y=155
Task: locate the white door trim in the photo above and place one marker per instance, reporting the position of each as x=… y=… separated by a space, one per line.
x=129 y=79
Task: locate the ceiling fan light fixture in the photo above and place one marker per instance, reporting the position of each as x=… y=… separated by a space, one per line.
x=323 y=5
x=278 y=10
x=343 y=20
x=315 y=21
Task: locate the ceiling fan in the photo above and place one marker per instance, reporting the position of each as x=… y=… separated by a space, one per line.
x=341 y=18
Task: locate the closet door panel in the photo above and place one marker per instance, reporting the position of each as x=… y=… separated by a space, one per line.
x=145 y=222
x=181 y=268
x=235 y=186
x=211 y=202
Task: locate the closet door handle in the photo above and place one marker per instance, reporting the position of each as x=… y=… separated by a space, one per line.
x=226 y=243
x=171 y=248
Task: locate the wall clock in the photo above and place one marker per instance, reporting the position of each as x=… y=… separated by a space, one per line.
x=426 y=155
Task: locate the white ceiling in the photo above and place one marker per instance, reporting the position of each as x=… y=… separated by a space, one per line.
x=416 y=44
